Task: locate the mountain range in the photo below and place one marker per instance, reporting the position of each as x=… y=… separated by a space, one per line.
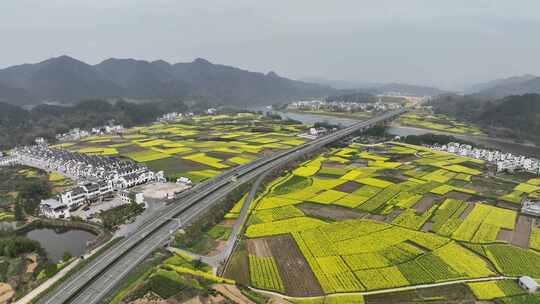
x=65 y=79
x=498 y=88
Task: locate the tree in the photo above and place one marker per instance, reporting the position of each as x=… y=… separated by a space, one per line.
x=66 y=256
x=19 y=213
x=50 y=269
x=31 y=194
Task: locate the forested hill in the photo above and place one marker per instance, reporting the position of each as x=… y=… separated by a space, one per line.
x=517 y=85
x=19 y=126
x=516 y=116
x=65 y=79
x=520 y=113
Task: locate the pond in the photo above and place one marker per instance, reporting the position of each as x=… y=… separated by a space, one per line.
x=56 y=242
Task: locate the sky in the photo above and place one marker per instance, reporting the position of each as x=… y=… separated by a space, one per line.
x=449 y=44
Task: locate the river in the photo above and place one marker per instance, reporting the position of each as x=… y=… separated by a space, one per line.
x=487 y=142
x=56 y=243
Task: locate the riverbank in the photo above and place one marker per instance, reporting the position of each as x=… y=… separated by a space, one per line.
x=506 y=145
x=502 y=144
x=356 y=116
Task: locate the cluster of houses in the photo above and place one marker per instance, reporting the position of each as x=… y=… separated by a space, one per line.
x=343 y=107
x=175 y=116
x=504 y=161
x=7 y=160
x=98 y=176
x=314 y=133
x=77 y=133
x=530 y=207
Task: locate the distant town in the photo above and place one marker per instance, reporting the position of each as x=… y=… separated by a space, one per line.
x=344 y=107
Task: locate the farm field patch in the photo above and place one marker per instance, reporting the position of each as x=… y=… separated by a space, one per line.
x=358 y=227
x=197 y=147
x=438 y=122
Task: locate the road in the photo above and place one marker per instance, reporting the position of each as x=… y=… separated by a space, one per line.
x=100 y=276
x=216 y=260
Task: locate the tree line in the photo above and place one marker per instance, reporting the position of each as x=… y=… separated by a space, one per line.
x=19 y=126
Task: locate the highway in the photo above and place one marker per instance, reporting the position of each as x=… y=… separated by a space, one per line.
x=91 y=283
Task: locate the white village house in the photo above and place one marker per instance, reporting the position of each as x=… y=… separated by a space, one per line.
x=503 y=161
x=54 y=209
x=98 y=176
x=529 y=284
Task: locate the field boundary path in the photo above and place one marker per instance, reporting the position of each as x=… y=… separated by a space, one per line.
x=391 y=290
x=216 y=260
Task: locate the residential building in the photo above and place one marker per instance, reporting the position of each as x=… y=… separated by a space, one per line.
x=173 y=116
x=7 y=161
x=129 y=197
x=503 y=161
x=54 y=209
x=184 y=180
x=40 y=141
x=529 y=284
x=531 y=207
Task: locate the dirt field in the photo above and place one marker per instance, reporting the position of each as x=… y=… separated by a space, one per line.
x=467 y=210
x=330 y=212
x=376 y=217
x=298 y=279
x=425 y=203
x=32 y=263
x=522 y=232
x=505 y=235
x=232 y=293
x=507 y=205
x=160 y=190
x=258 y=247
x=238 y=267
x=277 y=300
x=436 y=295
x=220 y=155
x=348 y=187
x=390 y=217
x=458 y=195
x=6 y=293
x=427 y=226
x=228 y=223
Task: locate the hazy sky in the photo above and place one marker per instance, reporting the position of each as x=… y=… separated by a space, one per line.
x=441 y=42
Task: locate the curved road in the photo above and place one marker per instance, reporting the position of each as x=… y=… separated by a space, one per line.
x=216 y=260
